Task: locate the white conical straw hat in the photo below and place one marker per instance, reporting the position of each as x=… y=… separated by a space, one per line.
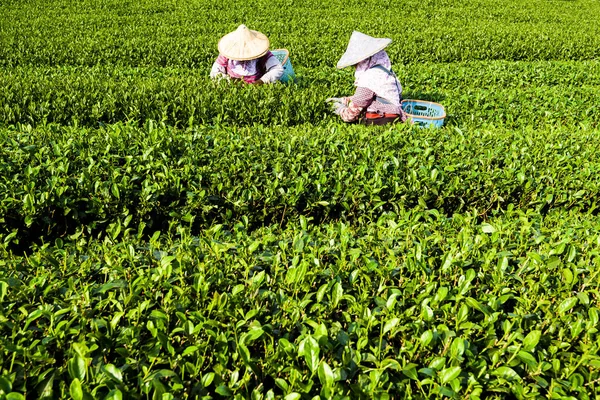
x=361 y=46
x=243 y=44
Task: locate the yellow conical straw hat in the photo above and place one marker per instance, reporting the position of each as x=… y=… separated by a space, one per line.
x=243 y=44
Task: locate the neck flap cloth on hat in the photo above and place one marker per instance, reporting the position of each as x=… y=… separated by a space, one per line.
x=242 y=69
x=383 y=82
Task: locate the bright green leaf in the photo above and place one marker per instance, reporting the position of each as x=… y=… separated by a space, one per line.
x=75 y=390
x=531 y=340
x=326 y=375
x=567 y=305
x=448 y=374
x=507 y=373
x=113 y=372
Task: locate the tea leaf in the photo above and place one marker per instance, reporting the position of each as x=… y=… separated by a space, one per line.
x=531 y=340
x=506 y=373
x=75 y=389
x=567 y=304
x=113 y=372
x=326 y=375
x=448 y=374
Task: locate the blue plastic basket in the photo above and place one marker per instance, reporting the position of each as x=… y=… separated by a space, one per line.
x=424 y=113
x=288 y=71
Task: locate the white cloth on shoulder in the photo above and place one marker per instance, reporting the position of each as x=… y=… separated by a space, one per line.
x=243 y=68
x=384 y=83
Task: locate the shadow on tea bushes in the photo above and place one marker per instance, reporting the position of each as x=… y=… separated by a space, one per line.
x=415 y=303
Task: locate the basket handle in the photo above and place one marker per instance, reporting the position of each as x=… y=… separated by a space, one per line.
x=286 y=57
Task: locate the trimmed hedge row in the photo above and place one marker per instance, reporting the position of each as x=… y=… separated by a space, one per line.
x=185 y=33
x=56 y=179
x=510 y=95
x=413 y=305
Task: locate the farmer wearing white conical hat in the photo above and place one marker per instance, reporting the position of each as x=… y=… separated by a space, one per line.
x=378 y=92
x=244 y=55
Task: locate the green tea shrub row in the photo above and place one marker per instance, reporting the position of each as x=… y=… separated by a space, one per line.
x=55 y=179
x=185 y=33
x=178 y=97
x=510 y=95
x=414 y=305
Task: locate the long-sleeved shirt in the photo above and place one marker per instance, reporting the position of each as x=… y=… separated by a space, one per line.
x=272 y=66
x=363 y=99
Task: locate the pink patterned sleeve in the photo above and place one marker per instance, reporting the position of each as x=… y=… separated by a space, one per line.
x=222 y=61
x=219 y=68
x=363 y=97
x=350 y=113
x=355 y=104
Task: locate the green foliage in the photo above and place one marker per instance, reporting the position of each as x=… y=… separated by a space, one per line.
x=75 y=181
x=164 y=236
x=184 y=33
x=476 y=94
x=352 y=311
x=98 y=95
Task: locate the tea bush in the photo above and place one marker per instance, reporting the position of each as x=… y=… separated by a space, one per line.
x=164 y=236
x=57 y=180
x=413 y=304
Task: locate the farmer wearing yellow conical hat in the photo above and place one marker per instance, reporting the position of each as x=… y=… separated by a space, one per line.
x=378 y=92
x=244 y=55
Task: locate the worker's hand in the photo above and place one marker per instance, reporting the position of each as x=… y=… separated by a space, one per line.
x=335 y=100
x=258 y=83
x=337 y=108
x=221 y=77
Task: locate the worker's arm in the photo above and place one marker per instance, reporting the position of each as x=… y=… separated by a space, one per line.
x=274 y=70
x=354 y=105
x=219 y=68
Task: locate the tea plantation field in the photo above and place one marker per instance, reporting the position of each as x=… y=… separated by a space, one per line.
x=163 y=236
